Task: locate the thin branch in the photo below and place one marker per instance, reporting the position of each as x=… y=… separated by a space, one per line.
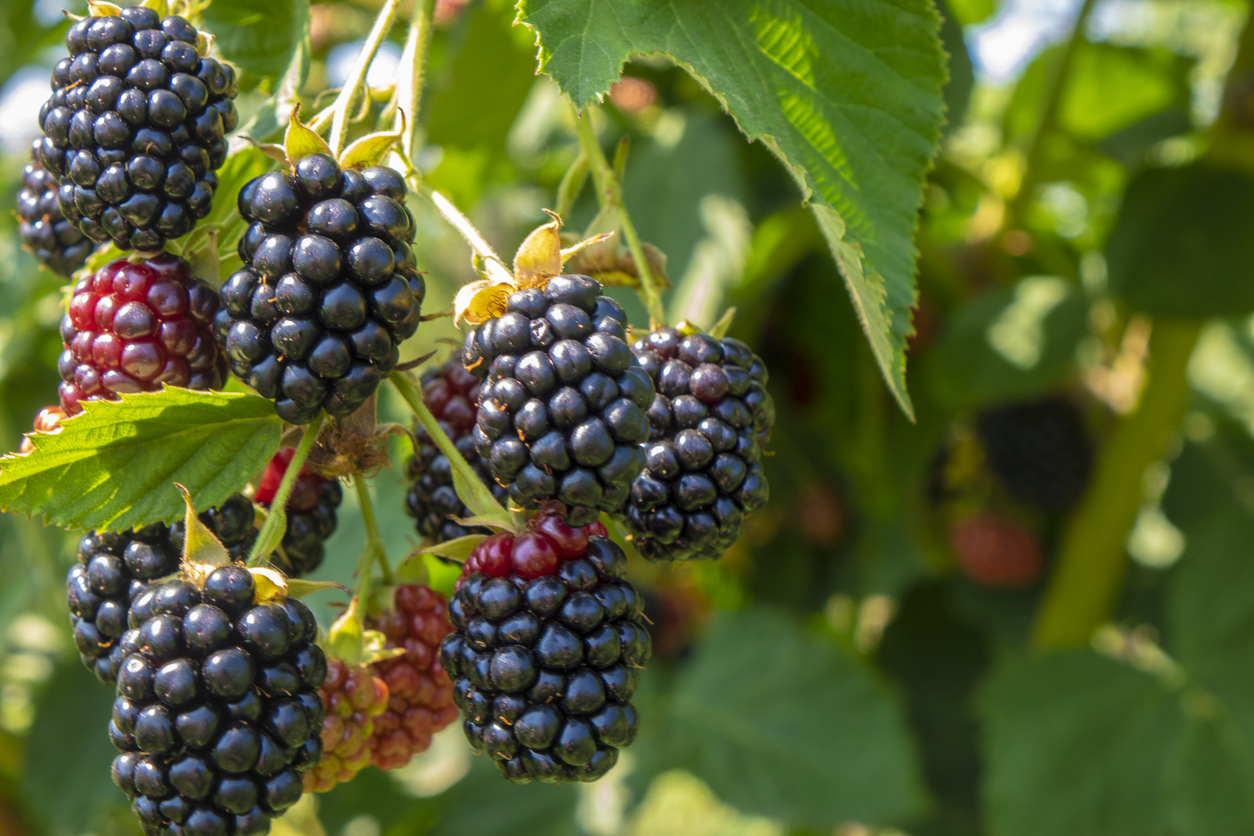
x=357 y=75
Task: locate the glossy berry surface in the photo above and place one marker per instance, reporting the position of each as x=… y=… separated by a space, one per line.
x=420 y=693
x=1038 y=450
x=132 y=327
x=562 y=405
x=996 y=552
x=545 y=655
x=452 y=395
x=217 y=715
x=352 y=697
x=44 y=230
x=329 y=288
x=136 y=128
x=311 y=516
x=708 y=422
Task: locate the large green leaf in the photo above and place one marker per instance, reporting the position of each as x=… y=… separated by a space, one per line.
x=783 y=724
x=258 y=37
x=114 y=466
x=1182 y=245
x=847 y=94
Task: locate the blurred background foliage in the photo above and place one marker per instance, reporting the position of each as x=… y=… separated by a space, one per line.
x=1084 y=240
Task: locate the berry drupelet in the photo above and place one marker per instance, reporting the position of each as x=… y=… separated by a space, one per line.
x=135 y=128
x=452 y=395
x=353 y=698
x=708 y=421
x=329 y=289
x=420 y=693
x=133 y=326
x=548 y=641
x=310 y=514
x=1039 y=450
x=562 y=406
x=44 y=230
x=996 y=552
x=217 y=712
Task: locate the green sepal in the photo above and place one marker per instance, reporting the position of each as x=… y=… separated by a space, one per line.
x=458 y=549
x=719 y=329
x=373 y=148
x=199 y=543
x=300 y=141
x=301 y=588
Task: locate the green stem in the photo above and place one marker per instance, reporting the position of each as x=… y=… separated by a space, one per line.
x=414 y=71
x=1092 y=559
x=278 y=506
x=610 y=193
x=1049 y=117
x=571 y=185
x=344 y=102
x=373 y=551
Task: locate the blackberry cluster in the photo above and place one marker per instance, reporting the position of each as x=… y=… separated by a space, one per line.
x=44 y=230
x=329 y=289
x=996 y=552
x=135 y=325
x=561 y=412
x=548 y=641
x=217 y=711
x=452 y=394
x=420 y=693
x=135 y=128
x=352 y=697
x=709 y=420
x=113 y=568
x=1038 y=450
x=310 y=514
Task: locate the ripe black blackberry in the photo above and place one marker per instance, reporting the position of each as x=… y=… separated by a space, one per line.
x=547 y=644
x=329 y=289
x=709 y=420
x=562 y=408
x=44 y=230
x=451 y=393
x=310 y=509
x=217 y=714
x=1039 y=450
x=113 y=568
x=135 y=128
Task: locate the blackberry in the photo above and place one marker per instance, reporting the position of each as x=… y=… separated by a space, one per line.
x=44 y=230
x=452 y=394
x=135 y=325
x=310 y=514
x=217 y=711
x=1038 y=450
x=420 y=693
x=352 y=697
x=708 y=422
x=135 y=128
x=113 y=569
x=562 y=409
x=996 y=552
x=329 y=288
x=548 y=641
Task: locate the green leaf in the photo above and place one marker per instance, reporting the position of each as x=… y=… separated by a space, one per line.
x=259 y=38
x=1181 y=243
x=801 y=733
x=114 y=467
x=846 y=94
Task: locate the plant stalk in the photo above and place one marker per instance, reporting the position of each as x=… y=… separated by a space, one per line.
x=373 y=551
x=278 y=506
x=413 y=72
x=357 y=75
x=610 y=193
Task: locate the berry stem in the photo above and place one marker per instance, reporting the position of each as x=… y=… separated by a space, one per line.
x=466 y=482
x=571 y=185
x=276 y=521
x=491 y=262
x=610 y=194
x=357 y=74
x=374 y=551
x=413 y=75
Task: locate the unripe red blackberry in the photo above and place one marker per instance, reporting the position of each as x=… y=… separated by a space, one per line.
x=311 y=510
x=708 y=421
x=47 y=421
x=135 y=128
x=353 y=697
x=113 y=569
x=1039 y=451
x=562 y=408
x=134 y=326
x=217 y=712
x=548 y=641
x=329 y=288
x=996 y=552
x=44 y=230
x=420 y=693
x=452 y=395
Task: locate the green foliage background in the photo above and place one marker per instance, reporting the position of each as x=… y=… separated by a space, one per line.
x=840 y=675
